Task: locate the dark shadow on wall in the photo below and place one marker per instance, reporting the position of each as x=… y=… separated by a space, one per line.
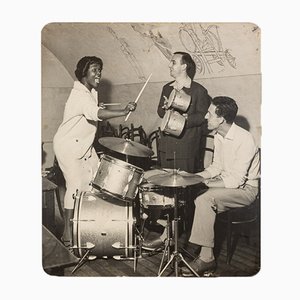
x=104 y=91
x=104 y=95
x=243 y=122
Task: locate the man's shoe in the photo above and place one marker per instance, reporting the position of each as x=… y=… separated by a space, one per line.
x=153 y=245
x=200 y=267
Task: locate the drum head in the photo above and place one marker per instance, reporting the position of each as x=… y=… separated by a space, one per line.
x=171 y=98
x=165 y=120
x=121 y=163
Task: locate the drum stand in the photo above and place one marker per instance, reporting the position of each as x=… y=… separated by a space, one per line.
x=168 y=240
x=176 y=255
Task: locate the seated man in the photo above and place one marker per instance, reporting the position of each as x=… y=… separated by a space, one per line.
x=232 y=179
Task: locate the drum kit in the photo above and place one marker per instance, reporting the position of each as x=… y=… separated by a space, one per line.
x=105 y=222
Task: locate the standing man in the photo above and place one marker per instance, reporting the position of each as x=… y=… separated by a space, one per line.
x=73 y=141
x=186 y=146
x=232 y=179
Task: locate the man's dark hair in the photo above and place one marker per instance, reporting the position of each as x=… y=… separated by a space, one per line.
x=226 y=107
x=84 y=64
x=190 y=64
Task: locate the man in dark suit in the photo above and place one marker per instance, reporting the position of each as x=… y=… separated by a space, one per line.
x=185 y=148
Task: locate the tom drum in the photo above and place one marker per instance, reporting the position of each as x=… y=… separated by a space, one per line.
x=118 y=178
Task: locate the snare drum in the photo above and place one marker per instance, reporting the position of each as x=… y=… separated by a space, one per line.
x=153 y=196
x=173 y=123
x=105 y=222
x=118 y=178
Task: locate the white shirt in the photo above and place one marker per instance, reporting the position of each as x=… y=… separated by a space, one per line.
x=180 y=85
x=236 y=158
x=76 y=134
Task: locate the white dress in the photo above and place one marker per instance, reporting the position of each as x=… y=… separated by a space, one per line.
x=73 y=141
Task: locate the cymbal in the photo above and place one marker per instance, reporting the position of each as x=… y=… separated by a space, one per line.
x=125 y=146
x=175 y=179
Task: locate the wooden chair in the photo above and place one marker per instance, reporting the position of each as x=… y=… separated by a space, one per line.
x=153 y=140
x=238 y=221
x=123 y=131
x=137 y=134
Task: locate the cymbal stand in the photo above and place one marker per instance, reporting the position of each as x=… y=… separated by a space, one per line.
x=168 y=240
x=176 y=255
x=139 y=241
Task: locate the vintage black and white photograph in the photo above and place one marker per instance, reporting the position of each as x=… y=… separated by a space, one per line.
x=151 y=149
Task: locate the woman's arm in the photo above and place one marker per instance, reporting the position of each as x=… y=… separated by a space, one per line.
x=104 y=114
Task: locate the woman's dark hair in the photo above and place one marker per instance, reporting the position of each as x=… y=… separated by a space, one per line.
x=190 y=64
x=225 y=107
x=84 y=64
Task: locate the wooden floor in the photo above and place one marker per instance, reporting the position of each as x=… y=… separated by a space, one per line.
x=245 y=260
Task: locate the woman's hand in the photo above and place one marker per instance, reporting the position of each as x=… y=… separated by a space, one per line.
x=102 y=105
x=131 y=106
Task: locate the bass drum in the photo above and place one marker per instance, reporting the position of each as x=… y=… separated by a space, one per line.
x=105 y=222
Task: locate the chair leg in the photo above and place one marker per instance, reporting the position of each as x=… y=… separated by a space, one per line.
x=229 y=236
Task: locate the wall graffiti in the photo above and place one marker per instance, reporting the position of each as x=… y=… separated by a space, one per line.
x=205 y=46
x=128 y=54
x=157 y=39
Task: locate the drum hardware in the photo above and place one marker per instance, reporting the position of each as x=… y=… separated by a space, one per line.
x=176 y=255
x=82 y=220
x=167 y=249
x=89 y=246
x=137 y=250
x=118 y=245
x=176 y=180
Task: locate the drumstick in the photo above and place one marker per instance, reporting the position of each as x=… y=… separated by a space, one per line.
x=107 y=104
x=137 y=98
